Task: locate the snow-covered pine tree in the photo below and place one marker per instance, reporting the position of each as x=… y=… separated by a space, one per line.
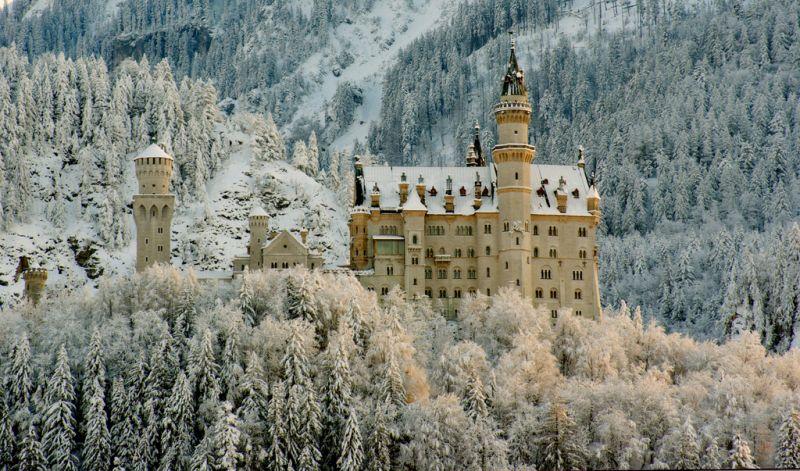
x=712 y=455
x=7 y=439
x=300 y=302
x=313 y=155
x=177 y=437
x=475 y=398
x=682 y=448
x=277 y=457
x=379 y=444
x=203 y=457
x=740 y=456
x=300 y=157
x=559 y=445
x=59 y=428
x=337 y=401
x=203 y=369
x=788 y=449
x=123 y=438
x=351 y=454
x=97 y=443
x=227 y=439
x=392 y=387
x=267 y=141
x=21 y=374
x=31 y=456
x=231 y=370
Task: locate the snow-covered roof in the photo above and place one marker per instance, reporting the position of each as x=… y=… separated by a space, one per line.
x=544 y=180
x=153 y=150
x=258 y=211
x=593 y=192
x=214 y=274
x=387 y=237
x=413 y=203
x=281 y=235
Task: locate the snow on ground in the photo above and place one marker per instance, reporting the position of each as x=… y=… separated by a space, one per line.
x=293 y=200
x=374 y=40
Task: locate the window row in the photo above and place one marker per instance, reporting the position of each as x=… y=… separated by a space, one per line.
x=389 y=230
x=539 y=294
x=434 y=230
x=457 y=293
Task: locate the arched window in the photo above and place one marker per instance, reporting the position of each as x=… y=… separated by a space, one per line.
x=535 y=230
x=414 y=239
x=553 y=293
x=506 y=265
x=539 y=293
x=545 y=273
x=488 y=250
x=505 y=226
x=553 y=253
x=457 y=274
x=582 y=253
x=578 y=294
x=536 y=252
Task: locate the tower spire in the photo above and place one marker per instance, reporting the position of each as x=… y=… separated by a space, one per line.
x=514 y=80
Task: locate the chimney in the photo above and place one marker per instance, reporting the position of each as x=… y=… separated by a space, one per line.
x=403 y=188
x=561 y=196
x=421 y=189
x=375 y=196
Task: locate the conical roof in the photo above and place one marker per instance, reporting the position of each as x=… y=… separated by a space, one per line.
x=514 y=80
x=258 y=211
x=153 y=150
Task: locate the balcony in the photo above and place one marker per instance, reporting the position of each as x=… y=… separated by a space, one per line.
x=442 y=258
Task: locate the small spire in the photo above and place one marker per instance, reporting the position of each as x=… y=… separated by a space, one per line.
x=420 y=180
x=403 y=177
x=581 y=160
x=476 y=143
x=514 y=80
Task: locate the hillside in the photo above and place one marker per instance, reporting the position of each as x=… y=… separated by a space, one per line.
x=68 y=172
x=689 y=117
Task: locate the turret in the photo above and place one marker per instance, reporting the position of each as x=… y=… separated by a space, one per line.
x=561 y=195
x=474 y=151
x=581 y=160
x=375 y=196
x=513 y=157
x=421 y=189
x=153 y=207
x=593 y=201
x=35 y=281
x=449 y=197
x=258 y=220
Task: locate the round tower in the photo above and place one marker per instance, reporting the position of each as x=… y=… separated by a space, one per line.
x=259 y=227
x=35 y=281
x=359 y=240
x=153 y=207
x=513 y=157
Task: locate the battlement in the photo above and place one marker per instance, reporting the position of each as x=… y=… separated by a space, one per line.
x=153 y=170
x=32 y=274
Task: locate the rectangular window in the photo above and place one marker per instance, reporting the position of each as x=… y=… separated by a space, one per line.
x=389 y=247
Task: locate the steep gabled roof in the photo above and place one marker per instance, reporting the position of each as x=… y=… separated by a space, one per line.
x=275 y=246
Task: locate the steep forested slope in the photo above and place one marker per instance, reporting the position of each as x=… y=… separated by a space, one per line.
x=691 y=121
x=70 y=129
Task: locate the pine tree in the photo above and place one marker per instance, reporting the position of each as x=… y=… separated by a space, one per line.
x=203 y=369
x=177 y=435
x=7 y=439
x=58 y=431
x=740 y=457
x=558 y=445
x=392 y=387
x=337 y=401
x=351 y=455
x=267 y=142
x=712 y=455
x=123 y=438
x=295 y=360
x=231 y=371
x=789 y=442
x=300 y=157
x=227 y=439
x=203 y=458
x=380 y=442
x=21 y=374
x=687 y=455
x=96 y=446
x=277 y=457
x=31 y=457
x=253 y=396
x=313 y=155
x=475 y=398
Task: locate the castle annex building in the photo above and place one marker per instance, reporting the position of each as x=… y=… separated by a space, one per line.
x=443 y=232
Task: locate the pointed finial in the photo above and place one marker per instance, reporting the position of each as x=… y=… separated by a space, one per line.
x=591 y=180
x=477 y=127
x=513 y=40
x=420 y=180
x=403 y=177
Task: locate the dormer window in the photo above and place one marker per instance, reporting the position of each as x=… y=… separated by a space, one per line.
x=433 y=191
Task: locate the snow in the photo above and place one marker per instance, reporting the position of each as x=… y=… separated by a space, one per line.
x=258 y=211
x=374 y=40
x=153 y=150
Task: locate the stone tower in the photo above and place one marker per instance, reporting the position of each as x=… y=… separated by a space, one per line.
x=259 y=228
x=35 y=280
x=153 y=207
x=513 y=157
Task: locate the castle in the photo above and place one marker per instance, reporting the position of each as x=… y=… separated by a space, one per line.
x=154 y=205
x=444 y=232
x=440 y=232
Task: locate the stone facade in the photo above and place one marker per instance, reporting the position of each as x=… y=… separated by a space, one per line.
x=273 y=249
x=478 y=228
x=35 y=281
x=153 y=207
